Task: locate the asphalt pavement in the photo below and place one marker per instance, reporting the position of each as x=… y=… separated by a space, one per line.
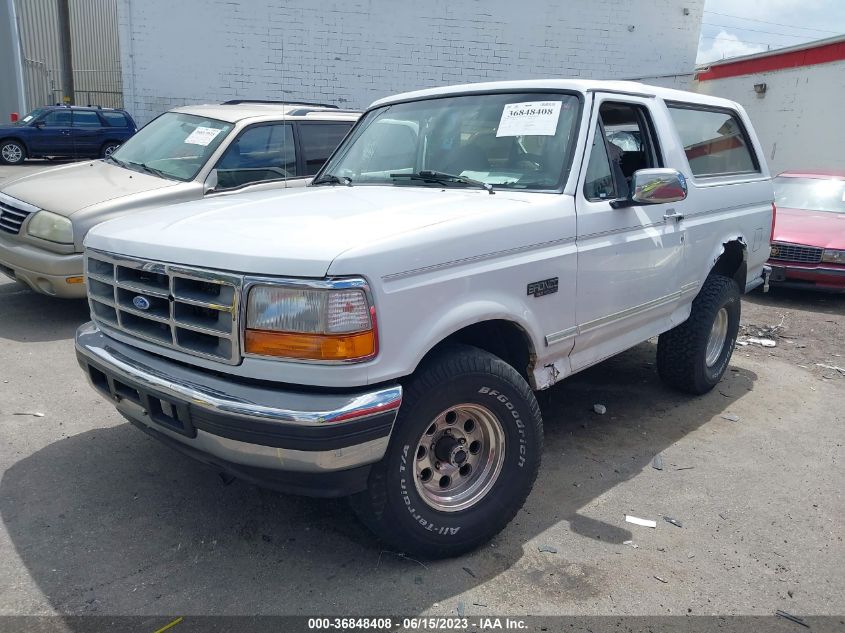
x=97 y=518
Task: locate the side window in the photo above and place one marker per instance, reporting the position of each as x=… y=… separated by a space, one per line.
x=714 y=141
x=631 y=143
x=82 y=118
x=260 y=153
x=57 y=118
x=599 y=183
x=318 y=141
x=115 y=119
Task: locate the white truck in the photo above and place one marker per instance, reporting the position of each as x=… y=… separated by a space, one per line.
x=381 y=332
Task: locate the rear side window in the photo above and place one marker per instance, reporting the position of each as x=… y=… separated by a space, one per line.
x=115 y=119
x=82 y=118
x=318 y=141
x=714 y=141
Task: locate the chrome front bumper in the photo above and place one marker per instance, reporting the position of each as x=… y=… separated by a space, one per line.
x=821 y=276
x=247 y=428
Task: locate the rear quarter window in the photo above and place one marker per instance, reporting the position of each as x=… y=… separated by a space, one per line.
x=715 y=141
x=318 y=141
x=84 y=118
x=115 y=119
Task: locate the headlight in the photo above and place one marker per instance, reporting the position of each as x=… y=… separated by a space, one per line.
x=51 y=227
x=323 y=324
x=833 y=257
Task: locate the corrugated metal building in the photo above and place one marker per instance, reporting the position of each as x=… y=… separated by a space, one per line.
x=34 y=41
x=11 y=69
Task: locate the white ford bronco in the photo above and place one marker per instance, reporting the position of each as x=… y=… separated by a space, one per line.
x=381 y=332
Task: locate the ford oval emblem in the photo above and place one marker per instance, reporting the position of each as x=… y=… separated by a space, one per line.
x=141 y=302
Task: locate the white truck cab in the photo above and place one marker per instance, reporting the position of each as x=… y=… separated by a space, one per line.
x=380 y=333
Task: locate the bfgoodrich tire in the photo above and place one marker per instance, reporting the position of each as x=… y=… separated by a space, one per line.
x=462 y=459
x=694 y=356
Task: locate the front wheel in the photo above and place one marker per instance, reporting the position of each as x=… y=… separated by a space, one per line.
x=12 y=153
x=694 y=356
x=462 y=459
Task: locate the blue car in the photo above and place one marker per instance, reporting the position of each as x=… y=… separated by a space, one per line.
x=67 y=131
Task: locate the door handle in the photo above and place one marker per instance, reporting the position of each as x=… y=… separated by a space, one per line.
x=671 y=214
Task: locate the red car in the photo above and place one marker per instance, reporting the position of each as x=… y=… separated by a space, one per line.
x=808 y=242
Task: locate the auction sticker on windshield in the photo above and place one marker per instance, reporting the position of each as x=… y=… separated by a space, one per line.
x=530 y=118
x=202 y=136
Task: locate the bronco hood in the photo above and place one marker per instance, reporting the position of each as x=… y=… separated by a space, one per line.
x=293 y=232
x=71 y=188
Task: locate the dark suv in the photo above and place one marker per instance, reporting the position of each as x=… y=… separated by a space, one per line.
x=73 y=131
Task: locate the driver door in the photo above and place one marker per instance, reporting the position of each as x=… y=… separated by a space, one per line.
x=262 y=156
x=54 y=135
x=629 y=258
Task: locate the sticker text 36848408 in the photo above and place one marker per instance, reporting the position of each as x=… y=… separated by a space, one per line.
x=530 y=118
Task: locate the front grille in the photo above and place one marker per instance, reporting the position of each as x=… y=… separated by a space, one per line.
x=192 y=310
x=796 y=253
x=12 y=217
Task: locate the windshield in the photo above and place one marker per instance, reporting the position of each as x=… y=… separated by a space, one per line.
x=174 y=145
x=514 y=141
x=812 y=194
x=32 y=116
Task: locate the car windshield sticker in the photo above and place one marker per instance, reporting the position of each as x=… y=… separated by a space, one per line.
x=531 y=118
x=202 y=136
x=27 y=118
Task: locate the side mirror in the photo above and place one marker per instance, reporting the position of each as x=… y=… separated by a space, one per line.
x=38 y=124
x=210 y=183
x=655 y=186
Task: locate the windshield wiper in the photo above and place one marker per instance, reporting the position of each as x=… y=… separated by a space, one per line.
x=116 y=161
x=332 y=179
x=444 y=178
x=152 y=170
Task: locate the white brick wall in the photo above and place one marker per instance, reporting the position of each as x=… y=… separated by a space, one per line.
x=351 y=52
x=799 y=119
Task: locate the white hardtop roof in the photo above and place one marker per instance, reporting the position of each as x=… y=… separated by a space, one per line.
x=232 y=113
x=575 y=85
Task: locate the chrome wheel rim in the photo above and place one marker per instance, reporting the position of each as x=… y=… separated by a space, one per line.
x=12 y=153
x=718 y=335
x=459 y=457
x=110 y=149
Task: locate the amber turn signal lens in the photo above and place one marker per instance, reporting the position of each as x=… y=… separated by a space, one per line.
x=356 y=346
x=75 y=280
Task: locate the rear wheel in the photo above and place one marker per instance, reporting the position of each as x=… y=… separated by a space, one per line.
x=108 y=149
x=462 y=459
x=12 y=153
x=694 y=356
